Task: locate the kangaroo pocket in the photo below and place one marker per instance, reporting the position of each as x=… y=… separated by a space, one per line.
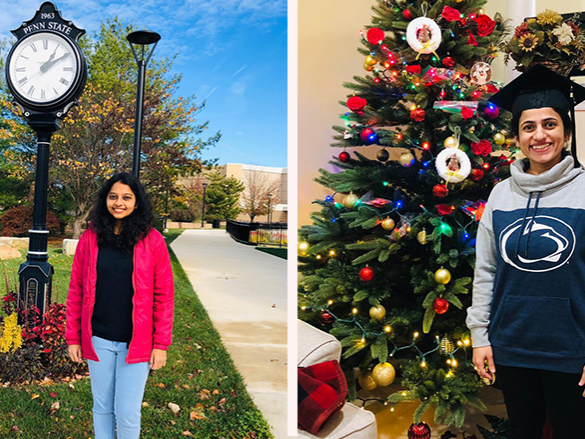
x=537 y=324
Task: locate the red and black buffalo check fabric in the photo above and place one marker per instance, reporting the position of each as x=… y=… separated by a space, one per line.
x=322 y=392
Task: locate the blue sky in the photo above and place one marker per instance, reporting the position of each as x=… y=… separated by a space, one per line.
x=232 y=54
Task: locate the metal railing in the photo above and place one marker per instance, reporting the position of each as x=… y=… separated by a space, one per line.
x=273 y=235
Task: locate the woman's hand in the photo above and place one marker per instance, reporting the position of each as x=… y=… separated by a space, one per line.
x=75 y=353
x=483 y=355
x=582 y=382
x=158 y=359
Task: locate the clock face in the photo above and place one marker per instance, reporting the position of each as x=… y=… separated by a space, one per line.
x=43 y=68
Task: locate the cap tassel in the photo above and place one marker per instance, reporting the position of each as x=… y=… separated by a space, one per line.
x=573 y=132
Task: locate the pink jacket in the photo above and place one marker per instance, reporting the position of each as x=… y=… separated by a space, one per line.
x=153 y=301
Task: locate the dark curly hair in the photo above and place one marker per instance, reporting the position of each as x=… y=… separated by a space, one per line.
x=134 y=227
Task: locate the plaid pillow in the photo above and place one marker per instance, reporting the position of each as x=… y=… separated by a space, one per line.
x=322 y=390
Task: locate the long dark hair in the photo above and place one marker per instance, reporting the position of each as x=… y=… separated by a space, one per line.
x=134 y=227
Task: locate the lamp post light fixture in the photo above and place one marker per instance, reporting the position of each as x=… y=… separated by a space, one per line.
x=141 y=38
x=269 y=208
x=203 y=207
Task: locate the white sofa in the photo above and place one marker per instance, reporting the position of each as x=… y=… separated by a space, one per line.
x=316 y=346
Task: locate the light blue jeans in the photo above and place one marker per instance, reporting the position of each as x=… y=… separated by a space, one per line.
x=117 y=390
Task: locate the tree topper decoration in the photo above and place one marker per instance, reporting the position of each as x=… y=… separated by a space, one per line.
x=423 y=35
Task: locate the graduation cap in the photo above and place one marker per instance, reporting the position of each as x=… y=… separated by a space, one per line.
x=540 y=87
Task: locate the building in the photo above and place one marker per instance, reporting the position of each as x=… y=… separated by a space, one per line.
x=259 y=181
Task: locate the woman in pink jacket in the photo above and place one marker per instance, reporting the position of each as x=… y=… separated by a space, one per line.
x=120 y=304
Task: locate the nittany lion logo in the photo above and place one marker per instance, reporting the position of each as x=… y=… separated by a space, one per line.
x=552 y=243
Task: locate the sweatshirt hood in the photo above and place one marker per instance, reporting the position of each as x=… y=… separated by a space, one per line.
x=557 y=176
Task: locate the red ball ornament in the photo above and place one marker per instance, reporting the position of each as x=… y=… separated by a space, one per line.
x=440 y=305
x=477 y=174
x=366 y=274
x=344 y=157
x=326 y=318
x=419 y=431
x=418 y=115
x=375 y=35
x=440 y=191
x=491 y=112
x=407 y=14
x=368 y=135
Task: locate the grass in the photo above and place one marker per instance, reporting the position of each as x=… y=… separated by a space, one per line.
x=199 y=376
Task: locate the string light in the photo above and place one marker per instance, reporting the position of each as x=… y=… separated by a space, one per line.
x=426 y=146
x=387 y=329
x=332 y=253
x=354 y=311
x=330 y=302
x=318 y=257
x=377 y=80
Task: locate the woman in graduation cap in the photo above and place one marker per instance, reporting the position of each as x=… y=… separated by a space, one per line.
x=527 y=319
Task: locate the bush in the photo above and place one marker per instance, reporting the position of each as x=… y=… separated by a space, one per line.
x=18 y=221
x=182 y=215
x=41 y=351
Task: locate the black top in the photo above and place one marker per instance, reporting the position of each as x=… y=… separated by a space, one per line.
x=112 y=313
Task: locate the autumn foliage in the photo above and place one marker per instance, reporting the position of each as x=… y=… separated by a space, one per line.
x=18 y=221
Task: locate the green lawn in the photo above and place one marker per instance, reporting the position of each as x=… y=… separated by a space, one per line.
x=199 y=376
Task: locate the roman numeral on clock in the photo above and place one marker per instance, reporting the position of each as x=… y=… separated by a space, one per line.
x=31 y=90
x=21 y=69
x=67 y=69
x=34 y=48
x=43 y=94
x=64 y=81
x=45 y=44
x=23 y=81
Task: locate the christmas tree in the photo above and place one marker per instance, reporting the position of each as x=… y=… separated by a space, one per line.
x=387 y=264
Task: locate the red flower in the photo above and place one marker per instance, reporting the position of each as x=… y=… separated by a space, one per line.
x=415 y=69
x=444 y=209
x=471 y=40
x=483 y=147
x=418 y=115
x=451 y=14
x=356 y=104
x=466 y=113
x=490 y=88
x=521 y=30
x=485 y=25
x=375 y=35
x=448 y=62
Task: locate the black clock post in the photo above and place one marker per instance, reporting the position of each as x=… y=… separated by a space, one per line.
x=46 y=74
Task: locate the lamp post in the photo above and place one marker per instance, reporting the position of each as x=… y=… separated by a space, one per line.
x=203 y=207
x=269 y=208
x=141 y=38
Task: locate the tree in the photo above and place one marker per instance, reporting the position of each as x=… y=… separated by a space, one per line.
x=387 y=263
x=222 y=197
x=259 y=189
x=96 y=138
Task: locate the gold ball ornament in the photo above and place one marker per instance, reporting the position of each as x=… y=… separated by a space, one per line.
x=510 y=141
x=368 y=67
x=442 y=276
x=421 y=237
x=377 y=312
x=499 y=139
x=367 y=382
x=447 y=346
x=303 y=248
x=388 y=224
x=384 y=374
x=406 y=159
x=350 y=200
x=451 y=142
x=370 y=60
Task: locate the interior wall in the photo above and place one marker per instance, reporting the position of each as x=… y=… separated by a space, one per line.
x=328 y=38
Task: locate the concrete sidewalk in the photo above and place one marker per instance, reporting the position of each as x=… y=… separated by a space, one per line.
x=244 y=292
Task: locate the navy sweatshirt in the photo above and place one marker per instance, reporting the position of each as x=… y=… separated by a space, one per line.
x=529 y=283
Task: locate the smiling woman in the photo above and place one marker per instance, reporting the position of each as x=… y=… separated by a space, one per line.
x=528 y=315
